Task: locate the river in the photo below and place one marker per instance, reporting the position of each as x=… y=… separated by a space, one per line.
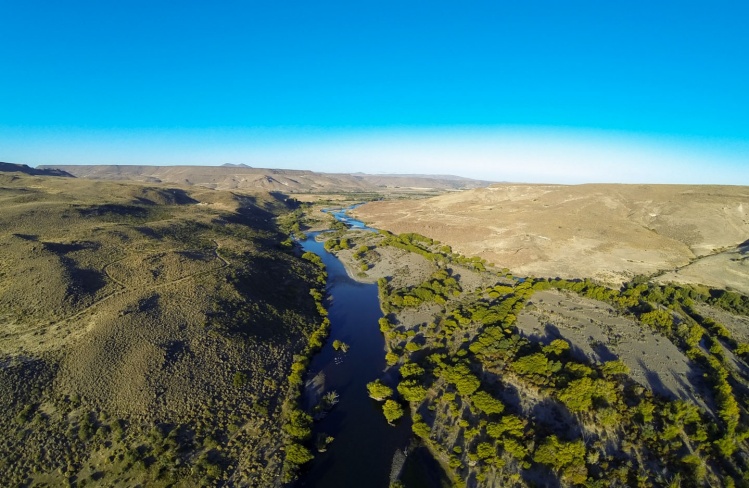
x=364 y=447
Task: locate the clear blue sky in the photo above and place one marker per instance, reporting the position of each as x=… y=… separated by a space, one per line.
x=293 y=84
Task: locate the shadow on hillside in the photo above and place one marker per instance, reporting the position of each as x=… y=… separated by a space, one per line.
x=551 y=333
x=603 y=352
x=167 y=196
x=65 y=248
x=555 y=417
x=744 y=247
x=690 y=387
x=113 y=210
x=22 y=168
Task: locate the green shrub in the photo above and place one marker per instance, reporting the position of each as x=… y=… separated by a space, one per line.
x=486 y=403
x=392 y=410
x=379 y=391
x=298 y=454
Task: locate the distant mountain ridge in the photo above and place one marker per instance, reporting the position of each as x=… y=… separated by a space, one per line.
x=25 y=169
x=242 y=177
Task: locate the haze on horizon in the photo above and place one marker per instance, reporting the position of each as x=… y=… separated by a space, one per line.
x=573 y=93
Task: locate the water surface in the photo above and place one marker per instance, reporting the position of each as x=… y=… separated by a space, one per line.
x=367 y=452
x=362 y=453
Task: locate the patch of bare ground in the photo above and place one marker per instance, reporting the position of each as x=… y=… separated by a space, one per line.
x=726 y=269
x=598 y=333
x=141 y=341
x=606 y=232
x=382 y=262
x=399 y=266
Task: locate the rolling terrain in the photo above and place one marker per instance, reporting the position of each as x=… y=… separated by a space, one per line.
x=241 y=177
x=606 y=232
x=146 y=333
x=159 y=335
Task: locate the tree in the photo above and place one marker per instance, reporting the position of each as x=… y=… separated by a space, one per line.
x=464 y=380
x=509 y=425
x=578 y=396
x=239 y=379
x=385 y=325
x=487 y=403
x=299 y=425
x=298 y=454
x=314 y=259
x=613 y=368
x=514 y=448
x=392 y=410
x=485 y=450
x=658 y=318
x=411 y=369
x=379 y=391
x=412 y=391
x=557 y=347
x=391 y=358
x=567 y=458
x=421 y=429
x=536 y=364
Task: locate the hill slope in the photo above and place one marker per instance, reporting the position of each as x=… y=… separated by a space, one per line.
x=288 y=181
x=608 y=232
x=22 y=168
x=140 y=331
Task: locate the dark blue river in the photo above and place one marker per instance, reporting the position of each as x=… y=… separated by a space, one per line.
x=363 y=451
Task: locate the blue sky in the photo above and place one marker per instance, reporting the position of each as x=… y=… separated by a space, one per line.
x=524 y=91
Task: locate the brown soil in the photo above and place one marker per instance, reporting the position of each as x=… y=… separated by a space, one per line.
x=607 y=232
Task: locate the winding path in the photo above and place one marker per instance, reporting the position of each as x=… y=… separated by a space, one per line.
x=124 y=288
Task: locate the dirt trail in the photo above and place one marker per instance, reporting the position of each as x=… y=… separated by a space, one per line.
x=61 y=328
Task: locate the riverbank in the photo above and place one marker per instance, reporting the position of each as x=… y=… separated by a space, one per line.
x=363 y=445
x=380 y=262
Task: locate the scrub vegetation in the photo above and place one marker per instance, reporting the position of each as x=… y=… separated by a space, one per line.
x=156 y=336
x=498 y=406
x=151 y=336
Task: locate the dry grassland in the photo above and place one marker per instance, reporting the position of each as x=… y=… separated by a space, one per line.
x=145 y=334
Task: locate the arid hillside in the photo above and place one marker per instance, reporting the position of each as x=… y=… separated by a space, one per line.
x=607 y=232
x=146 y=333
x=240 y=177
